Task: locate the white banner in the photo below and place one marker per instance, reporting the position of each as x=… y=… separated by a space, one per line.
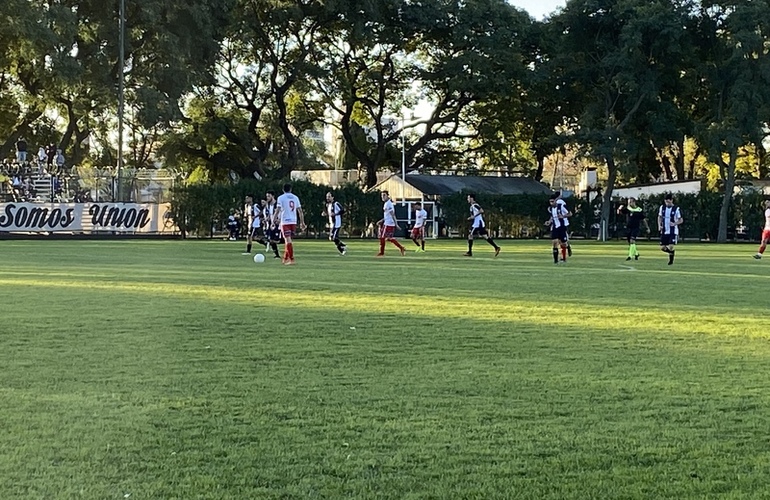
x=86 y=217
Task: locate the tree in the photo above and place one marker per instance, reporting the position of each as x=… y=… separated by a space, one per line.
x=734 y=92
x=252 y=118
x=613 y=56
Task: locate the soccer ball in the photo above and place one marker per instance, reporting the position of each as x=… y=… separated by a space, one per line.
x=259 y=258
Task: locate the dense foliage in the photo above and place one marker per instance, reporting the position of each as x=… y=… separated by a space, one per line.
x=250 y=88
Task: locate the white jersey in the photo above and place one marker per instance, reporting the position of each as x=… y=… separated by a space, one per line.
x=478 y=220
x=288 y=205
x=555 y=212
x=563 y=205
x=334 y=211
x=256 y=216
x=767 y=219
x=669 y=215
x=389 y=214
x=420 y=216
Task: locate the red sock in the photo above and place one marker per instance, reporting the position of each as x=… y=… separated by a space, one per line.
x=290 y=249
x=762 y=248
x=382 y=245
x=395 y=242
x=563 y=253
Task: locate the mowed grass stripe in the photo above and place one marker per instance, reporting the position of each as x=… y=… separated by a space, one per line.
x=545 y=313
x=189 y=372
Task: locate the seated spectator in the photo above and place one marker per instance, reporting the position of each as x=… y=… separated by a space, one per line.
x=232 y=226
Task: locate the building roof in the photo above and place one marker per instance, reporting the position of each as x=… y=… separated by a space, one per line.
x=442 y=185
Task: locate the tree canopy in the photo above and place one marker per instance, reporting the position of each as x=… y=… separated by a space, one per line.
x=258 y=88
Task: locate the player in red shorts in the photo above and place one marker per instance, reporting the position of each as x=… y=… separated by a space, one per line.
x=418 y=230
x=387 y=225
x=289 y=214
x=765 y=232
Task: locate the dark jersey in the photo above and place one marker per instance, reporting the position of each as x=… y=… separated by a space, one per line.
x=635 y=217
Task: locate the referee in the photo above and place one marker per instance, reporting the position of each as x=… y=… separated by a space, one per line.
x=635 y=216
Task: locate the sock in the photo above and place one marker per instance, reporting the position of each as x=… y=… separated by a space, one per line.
x=563 y=253
x=665 y=249
x=762 y=248
x=671 y=257
x=262 y=241
x=416 y=242
x=492 y=242
x=274 y=247
x=636 y=252
x=470 y=246
x=395 y=242
x=290 y=250
x=248 y=247
x=555 y=255
x=422 y=244
x=382 y=246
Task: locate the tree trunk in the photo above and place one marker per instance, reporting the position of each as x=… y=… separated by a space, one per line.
x=607 y=198
x=371 y=174
x=763 y=160
x=679 y=159
x=728 y=196
x=540 y=165
x=666 y=162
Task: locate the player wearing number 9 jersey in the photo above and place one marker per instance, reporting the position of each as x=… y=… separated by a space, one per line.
x=289 y=215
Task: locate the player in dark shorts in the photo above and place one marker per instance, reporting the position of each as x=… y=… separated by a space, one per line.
x=635 y=216
x=557 y=217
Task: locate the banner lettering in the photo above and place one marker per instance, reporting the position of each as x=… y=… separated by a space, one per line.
x=86 y=217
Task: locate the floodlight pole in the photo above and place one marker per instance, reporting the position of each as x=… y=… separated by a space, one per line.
x=121 y=97
x=403 y=161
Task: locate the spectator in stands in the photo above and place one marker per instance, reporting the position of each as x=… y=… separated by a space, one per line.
x=51 y=155
x=59 y=161
x=21 y=150
x=42 y=159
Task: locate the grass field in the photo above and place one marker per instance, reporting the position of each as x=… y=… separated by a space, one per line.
x=182 y=370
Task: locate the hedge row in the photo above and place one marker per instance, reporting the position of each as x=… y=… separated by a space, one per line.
x=201 y=209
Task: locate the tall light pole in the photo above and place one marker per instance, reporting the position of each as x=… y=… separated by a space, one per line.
x=121 y=88
x=403 y=161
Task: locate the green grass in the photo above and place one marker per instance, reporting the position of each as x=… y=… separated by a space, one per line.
x=163 y=370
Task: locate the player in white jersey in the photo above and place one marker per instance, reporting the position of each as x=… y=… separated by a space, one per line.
x=253 y=212
x=563 y=204
x=557 y=219
x=418 y=230
x=478 y=227
x=669 y=220
x=765 y=232
x=272 y=232
x=387 y=225
x=334 y=212
x=289 y=216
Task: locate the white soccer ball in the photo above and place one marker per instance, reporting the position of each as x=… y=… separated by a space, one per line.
x=259 y=258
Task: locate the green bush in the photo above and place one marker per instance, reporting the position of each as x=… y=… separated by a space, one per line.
x=202 y=208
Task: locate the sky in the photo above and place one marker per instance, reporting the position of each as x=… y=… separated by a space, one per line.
x=538 y=8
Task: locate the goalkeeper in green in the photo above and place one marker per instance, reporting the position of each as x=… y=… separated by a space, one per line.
x=635 y=216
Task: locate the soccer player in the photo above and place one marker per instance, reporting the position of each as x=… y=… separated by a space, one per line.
x=387 y=225
x=232 y=226
x=558 y=214
x=765 y=232
x=563 y=204
x=334 y=212
x=289 y=214
x=635 y=216
x=669 y=219
x=271 y=228
x=478 y=228
x=418 y=230
x=254 y=213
